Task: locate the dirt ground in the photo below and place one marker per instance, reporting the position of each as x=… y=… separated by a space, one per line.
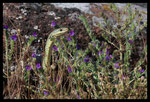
x=41 y=19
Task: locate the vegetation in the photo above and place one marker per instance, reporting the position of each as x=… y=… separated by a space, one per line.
x=104 y=70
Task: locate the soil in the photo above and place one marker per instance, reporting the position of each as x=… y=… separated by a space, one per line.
x=43 y=21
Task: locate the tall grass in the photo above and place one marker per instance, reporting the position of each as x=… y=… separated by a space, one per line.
x=98 y=72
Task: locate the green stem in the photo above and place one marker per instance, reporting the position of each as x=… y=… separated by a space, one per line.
x=121 y=66
x=7 y=64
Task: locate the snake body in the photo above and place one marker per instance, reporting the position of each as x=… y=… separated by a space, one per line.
x=49 y=43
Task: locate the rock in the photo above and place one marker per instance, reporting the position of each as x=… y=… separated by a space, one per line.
x=51 y=13
x=36 y=27
x=84 y=7
x=34 y=6
x=12 y=68
x=98 y=20
x=13 y=31
x=141 y=4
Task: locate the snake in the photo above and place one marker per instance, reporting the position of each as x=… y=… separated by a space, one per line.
x=49 y=44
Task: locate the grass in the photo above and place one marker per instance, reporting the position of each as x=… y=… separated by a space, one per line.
x=104 y=70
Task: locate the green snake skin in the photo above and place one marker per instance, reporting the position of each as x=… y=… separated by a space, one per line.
x=49 y=43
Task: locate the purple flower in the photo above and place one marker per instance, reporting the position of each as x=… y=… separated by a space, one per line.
x=94 y=44
x=124 y=76
x=14 y=37
x=107 y=57
x=78 y=96
x=34 y=55
x=55 y=48
x=34 y=34
x=28 y=67
x=110 y=56
x=5 y=27
x=142 y=70
x=107 y=52
x=130 y=41
x=53 y=24
x=71 y=33
x=99 y=52
x=117 y=65
x=101 y=65
x=45 y=92
x=69 y=39
x=38 y=66
x=77 y=47
x=69 y=69
x=87 y=59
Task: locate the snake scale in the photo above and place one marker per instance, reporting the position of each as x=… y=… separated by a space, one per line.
x=49 y=43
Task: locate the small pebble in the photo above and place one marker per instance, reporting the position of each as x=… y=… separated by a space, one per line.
x=20 y=17
x=13 y=31
x=25 y=14
x=52 y=13
x=57 y=18
x=38 y=40
x=35 y=27
x=26 y=36
x=12 y=68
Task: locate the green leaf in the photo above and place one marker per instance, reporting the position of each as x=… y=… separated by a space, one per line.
x=30 y=41
x=138 y=75
x=12 y=49
x=133 y=35
x=83 y=65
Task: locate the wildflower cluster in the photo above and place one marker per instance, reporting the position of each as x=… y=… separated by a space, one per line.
x=103 y=69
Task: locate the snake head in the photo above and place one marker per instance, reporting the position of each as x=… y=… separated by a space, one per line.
x=58 y=32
